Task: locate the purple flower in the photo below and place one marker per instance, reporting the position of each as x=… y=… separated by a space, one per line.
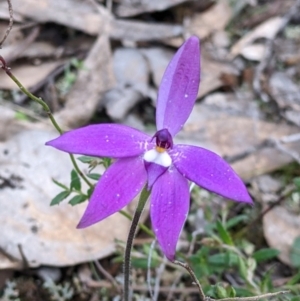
x=165 y=167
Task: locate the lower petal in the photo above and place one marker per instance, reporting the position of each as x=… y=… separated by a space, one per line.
x=210 y=171
x=116 y=188
x=169 y=208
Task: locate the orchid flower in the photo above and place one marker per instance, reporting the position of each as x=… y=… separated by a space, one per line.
x=165 y=167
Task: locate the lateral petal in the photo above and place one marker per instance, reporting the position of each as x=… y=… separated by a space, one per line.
x=103 y=140
x=210 y=171
x=169 y=208
x=121 y=182
x=179 y=87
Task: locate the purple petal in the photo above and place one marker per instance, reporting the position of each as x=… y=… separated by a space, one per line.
x=209 y=171
x=179 y=87
x=154 y=171
x=103 y=140
x=169 y=208
x=116 y=188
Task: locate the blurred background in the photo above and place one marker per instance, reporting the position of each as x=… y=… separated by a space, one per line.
x=102 y=61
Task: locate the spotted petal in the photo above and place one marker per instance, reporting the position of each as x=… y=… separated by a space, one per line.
x=103 y=140
x=117 y=187
x=169 y=208
x=179 y=87
x=210 y=171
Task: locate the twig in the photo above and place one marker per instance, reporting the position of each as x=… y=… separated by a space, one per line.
x=10 y=24
x=194 y=277
x=46 y=108
x=109 y=277
x=253 y=298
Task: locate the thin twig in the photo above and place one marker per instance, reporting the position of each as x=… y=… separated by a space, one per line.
x=10 y=24
x=253 y=298
x=194 y=277
x=108 y=276
x=46 y=108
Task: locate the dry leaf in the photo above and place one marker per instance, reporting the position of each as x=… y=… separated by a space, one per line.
x=28 y=75
x=254 y=52
x=132 y=74
x=281 y=227
x=77 y=14
x=128 y=9
x=93 y=80
x=211 y=74
x=142 y=31
x=214 y=19
x=267 y=30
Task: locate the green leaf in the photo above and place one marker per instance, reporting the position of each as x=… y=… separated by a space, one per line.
x=94 y=176
x=220 y=291
x=295 y=253
x=77 y=199
x=227 y=259
x=265 y=254
x=231 y=293
x=59 y=198
x=297 y=182
x=75 y=181
x=86 y=159
x=224 y=234
x=242 y=268
x=236 y=220
x=60 y=184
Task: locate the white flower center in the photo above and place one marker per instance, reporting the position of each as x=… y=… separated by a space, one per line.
x=158 y=157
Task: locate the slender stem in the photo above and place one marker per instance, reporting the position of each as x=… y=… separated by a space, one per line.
x=194 y=277
x=127 y=262
x=48 y=112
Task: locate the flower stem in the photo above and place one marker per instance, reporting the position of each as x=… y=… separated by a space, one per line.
x=46 y=108
x=127 y=262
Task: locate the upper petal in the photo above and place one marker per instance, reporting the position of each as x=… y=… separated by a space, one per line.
x=169 y=208
x=209 y=171
x=103 y=140
x=121 y=182
x=179 y=87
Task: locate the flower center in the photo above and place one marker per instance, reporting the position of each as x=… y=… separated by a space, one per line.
x=159 y=155
x=163 y=140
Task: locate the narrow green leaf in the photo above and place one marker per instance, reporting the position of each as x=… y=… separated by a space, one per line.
x=231 y=293
x=75 y=181
x=94 y=176
x=295 y=253
x=236 y=220
x=59 y=198
x=242 y=268
x=86 y=159
x=60 y=184
x=224 y=234
x=77 y=199
x=265 y=254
